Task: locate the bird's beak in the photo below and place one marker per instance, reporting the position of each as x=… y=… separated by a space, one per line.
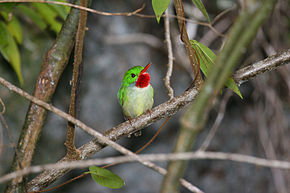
x=146 y=67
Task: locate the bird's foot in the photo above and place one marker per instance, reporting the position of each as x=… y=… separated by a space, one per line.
x=138 y=133
x=130 y=121
x=149 y=111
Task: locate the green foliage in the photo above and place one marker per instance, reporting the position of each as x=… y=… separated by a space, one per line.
x=43 y=15
x=9 y=50
x=13 y=25
x=61 y=11
x=49 y=15
x=159 y=6
x=206 y=59
x=7 y=7
x=33 y=15
x=200 y=6
x=106 y=178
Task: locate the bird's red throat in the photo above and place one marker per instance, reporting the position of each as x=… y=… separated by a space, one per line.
x=143 y=80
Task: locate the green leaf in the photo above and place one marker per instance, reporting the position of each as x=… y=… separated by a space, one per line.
x=61 y=10
x=49 y=15
x=9 y=50
x=7 y=6
x=33 y=16
x=200 y=6
x=13 y=26
x=159 y=6
x=206 y=59
x=106 y=178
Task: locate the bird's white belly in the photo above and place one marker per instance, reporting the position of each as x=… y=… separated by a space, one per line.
x=137 y=100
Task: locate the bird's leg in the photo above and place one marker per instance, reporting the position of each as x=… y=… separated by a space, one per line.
x=137 y=133
x=130 y=121
x=149 y=111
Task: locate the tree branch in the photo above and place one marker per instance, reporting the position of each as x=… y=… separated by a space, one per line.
x=242 y=33
x=77 y=68
x=184 y=37
x=168 y=108
x=52 y=67
x=101 y=140
x=268 y=64
x=170 y=56
x=198 y=155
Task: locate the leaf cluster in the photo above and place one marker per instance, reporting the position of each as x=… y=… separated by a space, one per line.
x=42 y=15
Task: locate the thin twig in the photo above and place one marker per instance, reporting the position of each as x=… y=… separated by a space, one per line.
x=134 y=13
x=144 y=38
x=217 y=122
x=170 y=56
x=198 y=155
x=77 y=7
x=3 y=121
x=72 y=152
x=185 y=39
x=223 y=13
x=3 y=106
x=268 y=64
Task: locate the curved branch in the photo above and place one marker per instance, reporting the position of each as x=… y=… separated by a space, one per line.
x=168 y=108
x=198 y=155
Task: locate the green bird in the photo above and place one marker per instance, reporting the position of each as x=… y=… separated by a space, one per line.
x=136 y=93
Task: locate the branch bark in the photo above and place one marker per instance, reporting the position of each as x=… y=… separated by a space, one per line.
x=184 y=37
x=170 y=56
x=52 y=67
x=168 y=108
x=77 y=69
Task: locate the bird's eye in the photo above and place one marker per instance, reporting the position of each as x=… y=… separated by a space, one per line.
x=133 y=75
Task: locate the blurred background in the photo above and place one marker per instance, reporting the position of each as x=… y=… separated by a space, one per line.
x=258 y=125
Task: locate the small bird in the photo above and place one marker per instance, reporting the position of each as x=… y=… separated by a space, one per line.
x=136 y=93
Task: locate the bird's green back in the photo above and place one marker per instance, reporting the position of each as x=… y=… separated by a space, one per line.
x=130 y=77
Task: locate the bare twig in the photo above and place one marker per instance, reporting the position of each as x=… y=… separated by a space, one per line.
x=1 y=141
x=72 y=152
x=217 y=122
x=77 y=7
x=210 y=36
x=148 y=39
x=220 y=15
x=185 y=39
x=198 y=155
x=264 y=125
x=134 y=13
x=3 y=106
x=268 y=64
x=3 y=121
x=270 y=151
x=170 y=56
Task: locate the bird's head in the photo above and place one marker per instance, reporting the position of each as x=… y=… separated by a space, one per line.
x=137 y=75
